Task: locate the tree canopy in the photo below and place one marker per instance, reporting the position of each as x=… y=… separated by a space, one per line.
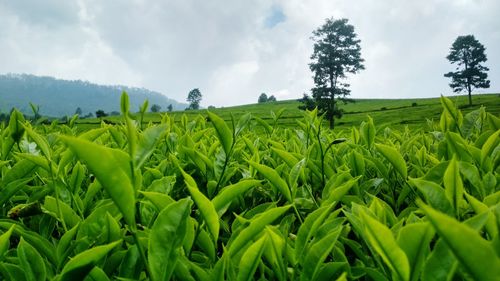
x=194 y=99
x=155 y=108
x=468 y=54
x=337 y=52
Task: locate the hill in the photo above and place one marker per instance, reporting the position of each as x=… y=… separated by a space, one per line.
x=385 y=112
x=57 y=97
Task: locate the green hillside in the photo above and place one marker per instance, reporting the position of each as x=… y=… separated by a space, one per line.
x=57 y=97
x=385 y=112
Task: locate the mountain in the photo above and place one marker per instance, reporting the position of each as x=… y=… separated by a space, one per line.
x=57 y=97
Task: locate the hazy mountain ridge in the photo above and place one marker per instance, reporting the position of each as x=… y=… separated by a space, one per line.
x=57 y=97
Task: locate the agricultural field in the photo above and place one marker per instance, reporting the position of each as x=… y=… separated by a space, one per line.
x=397 y=113
x=209 y=197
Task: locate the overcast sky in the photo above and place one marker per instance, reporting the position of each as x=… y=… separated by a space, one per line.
x=234 y=50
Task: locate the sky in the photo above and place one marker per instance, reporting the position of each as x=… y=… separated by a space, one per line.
x=235 y=50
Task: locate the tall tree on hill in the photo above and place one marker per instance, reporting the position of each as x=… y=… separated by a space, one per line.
x=194 y=99
x=468 y=54
x=337 y=52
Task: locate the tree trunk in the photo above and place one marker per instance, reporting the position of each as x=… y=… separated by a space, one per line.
x=470 y=96
x=332 y=122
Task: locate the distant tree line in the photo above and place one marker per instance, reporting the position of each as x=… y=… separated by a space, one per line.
x=263 y=98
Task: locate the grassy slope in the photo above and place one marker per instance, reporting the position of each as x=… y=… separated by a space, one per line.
x=385 y=112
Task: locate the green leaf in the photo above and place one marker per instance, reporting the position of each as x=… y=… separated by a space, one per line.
x=479 y=208
x=489 y=146
x=434 y=195
x=367 y=132
x=147 y=142
x=31 y=261
x=97 y=274
x=63 y=246
x=20 y=170
x=166 y=237
x=394 y=157
x=226 y=195
x=223 y=132
x=205 y=206
x=309 y=228
x=317 y=254
x=382 y=240
x=7 y=191
x=288 y=157
x=337 y=193
x=41 y=244
x=454 y=189
x=12 y=272
x=5 y=241
x=16 y=129
x=440 y=264
x=69 y=216
x=124 y=103
x=160 y=200
x=131 y=265
x=476 y=255
x=112 y=168
x=251 y=259
x=80 y=265
x=256 y=225
x=452 y=110
x=39 y=140
x=274 y=178
x=414 y=239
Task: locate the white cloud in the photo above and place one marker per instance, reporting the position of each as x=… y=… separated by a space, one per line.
x=230 y=51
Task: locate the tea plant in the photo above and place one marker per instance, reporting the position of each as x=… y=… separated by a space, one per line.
x=248 y=200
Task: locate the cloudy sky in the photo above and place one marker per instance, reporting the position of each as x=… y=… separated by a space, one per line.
x=234 y=50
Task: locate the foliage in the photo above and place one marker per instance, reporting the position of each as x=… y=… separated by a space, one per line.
x=156 y=108
x=100 y=113
x=204 y=199
x=263 y=98
x=336 y=53
x=194 y=99
x=469 y=73
x=57 y=97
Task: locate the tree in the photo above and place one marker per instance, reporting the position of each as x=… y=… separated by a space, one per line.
x=78 y=111
x=194 y=98
x=262 y=98
x=100 y=113
x=155 y=108
x=271 y=98
x=336 y=53
x=468 y=54
x=170 y=108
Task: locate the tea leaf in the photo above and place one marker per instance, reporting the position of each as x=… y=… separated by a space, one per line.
x=231 y=192
x=223 y=132
x=274 y=178
x=474 y=253
x=394 y=157
x=383 y=242
x=206 y=207
x=165 y=239
x=256 y=225
x=112 y=169
x=79 y=266
x=251 y=259
x=31 y=261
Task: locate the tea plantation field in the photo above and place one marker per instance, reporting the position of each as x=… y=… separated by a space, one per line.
x=396 y=113
x=256 y=196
